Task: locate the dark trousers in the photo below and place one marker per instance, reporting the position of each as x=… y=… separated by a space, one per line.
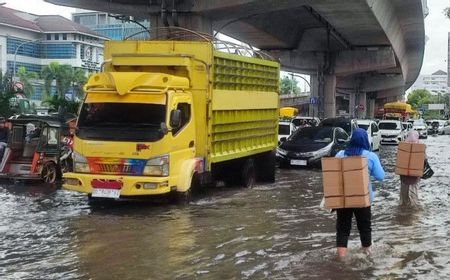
x=344 y=225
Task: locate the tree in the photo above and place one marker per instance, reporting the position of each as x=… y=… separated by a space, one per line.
x=287 y=85
x=24 y=76
x=61 y=74
x=419 y=97
x=447 y=12
x=56 y=103
x=6 y=93
x=78 y=79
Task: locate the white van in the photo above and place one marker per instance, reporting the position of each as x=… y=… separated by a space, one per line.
x=285 y=129
x=391 y=132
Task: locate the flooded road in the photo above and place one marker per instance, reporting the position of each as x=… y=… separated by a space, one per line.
x=273 y=231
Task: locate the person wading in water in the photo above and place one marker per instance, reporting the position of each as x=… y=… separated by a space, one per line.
x=358 y=146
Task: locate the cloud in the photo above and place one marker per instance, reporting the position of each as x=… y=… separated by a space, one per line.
x=39 y=7
x=437 y=27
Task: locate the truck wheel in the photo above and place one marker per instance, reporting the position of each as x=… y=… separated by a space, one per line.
x=49 y=173
x=266 y=167
x=248 y=173
x=182 y=198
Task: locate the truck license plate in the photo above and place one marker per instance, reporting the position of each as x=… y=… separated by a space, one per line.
x=109 y=193
x=298 y=162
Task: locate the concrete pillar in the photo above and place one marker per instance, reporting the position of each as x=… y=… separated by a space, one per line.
x=329 y=96
x=362 y=100
x=314 y=91
x=188 y=21
x=352 y=104
x=370 y=113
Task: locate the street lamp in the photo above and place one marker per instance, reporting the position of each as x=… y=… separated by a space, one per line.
x=15 y=54
x=301 y=77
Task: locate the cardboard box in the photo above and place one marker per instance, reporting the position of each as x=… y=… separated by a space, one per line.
x=410 y=159
x=356 y=182
x=345 y=182
x=333 y=188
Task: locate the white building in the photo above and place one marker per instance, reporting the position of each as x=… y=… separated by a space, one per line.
x=33 y=41
x=435 y=83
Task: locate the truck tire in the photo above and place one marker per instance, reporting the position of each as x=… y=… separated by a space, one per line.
x=265 y=167
x=248 y=173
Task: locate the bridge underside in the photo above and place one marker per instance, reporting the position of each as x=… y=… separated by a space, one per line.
x=359 y=52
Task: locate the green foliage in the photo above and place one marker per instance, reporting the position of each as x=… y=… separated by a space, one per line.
x=287 y=85
x=60 y=73
x=419 y=97
x=6 y=93
x=78 y=79
x=447 y=12
x=422 y=97
x=24 y=77
x=56 y=102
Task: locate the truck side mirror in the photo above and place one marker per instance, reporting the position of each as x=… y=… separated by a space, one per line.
x=175 y=118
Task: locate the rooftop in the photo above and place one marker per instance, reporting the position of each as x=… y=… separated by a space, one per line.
x=41 y=23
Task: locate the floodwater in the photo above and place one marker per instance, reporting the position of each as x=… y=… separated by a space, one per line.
x=273 y=231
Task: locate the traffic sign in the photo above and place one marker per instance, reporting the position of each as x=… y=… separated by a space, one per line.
x=313 y=100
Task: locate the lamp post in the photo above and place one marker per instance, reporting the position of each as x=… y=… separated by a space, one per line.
x=301 y=77
x=15 y=54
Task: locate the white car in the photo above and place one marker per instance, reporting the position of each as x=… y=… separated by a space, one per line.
x=446 y=128
x=421 y=126
x=391 y=132
x=406 y=127
x=372 y=132
x=285 y=129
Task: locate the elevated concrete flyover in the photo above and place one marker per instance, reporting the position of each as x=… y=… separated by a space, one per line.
x=362 y=50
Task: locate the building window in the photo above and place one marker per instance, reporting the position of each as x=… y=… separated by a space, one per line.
x=56 y=36
x=63 y=51
x=49 y=37
x=64 y=36
x=23 y=47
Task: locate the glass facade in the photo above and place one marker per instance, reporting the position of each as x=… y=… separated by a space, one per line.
x=63 y=51
x=30 y=67
x=23 y=47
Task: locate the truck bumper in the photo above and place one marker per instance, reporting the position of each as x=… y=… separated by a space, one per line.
x=131 y=185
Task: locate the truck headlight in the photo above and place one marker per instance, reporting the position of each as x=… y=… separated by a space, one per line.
x=80 y=164
x=157 y=166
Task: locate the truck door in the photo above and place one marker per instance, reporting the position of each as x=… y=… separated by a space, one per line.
x=183 y=134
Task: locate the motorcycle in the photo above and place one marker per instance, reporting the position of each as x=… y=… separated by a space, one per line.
x=65 y=160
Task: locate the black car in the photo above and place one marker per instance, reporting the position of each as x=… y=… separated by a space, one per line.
x=308 y=145
x=347 y=124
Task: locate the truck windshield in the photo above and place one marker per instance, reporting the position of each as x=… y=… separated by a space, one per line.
x=121 y=121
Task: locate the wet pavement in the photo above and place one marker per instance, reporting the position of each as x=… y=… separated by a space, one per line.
x=273 y=231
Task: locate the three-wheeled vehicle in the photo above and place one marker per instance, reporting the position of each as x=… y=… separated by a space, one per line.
x=34 y=148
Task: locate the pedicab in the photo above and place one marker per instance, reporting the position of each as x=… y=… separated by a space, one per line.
x=34 y=149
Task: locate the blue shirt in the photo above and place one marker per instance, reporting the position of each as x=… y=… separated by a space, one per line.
x=374 y=167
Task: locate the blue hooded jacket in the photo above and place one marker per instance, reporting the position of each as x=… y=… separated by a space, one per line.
x=359 y=146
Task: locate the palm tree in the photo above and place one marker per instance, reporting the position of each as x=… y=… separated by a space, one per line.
x=78 y=79
x=25 y=76
x=58 y=73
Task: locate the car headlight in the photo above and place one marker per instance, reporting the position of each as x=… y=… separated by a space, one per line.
x=80 y=164
x=322 y=152
x=157 y=166
x=282 y=152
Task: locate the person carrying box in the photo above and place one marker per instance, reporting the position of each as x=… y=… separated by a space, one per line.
x=409 y=184
x=358 y=146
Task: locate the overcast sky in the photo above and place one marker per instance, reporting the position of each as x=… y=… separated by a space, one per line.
x=437 y=27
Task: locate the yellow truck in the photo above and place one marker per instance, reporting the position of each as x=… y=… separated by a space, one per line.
x=170 y=116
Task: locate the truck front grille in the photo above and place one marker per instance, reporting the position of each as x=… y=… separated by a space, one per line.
x=117 y=166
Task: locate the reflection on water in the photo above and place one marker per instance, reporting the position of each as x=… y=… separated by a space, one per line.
x=274 y=231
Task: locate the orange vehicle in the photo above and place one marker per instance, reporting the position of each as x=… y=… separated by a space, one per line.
x=33 y=149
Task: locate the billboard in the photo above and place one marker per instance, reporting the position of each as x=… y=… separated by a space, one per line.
x=436 y=106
